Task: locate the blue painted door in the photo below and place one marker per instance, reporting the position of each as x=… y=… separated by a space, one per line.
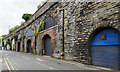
x=47 y=45
x=105 y=48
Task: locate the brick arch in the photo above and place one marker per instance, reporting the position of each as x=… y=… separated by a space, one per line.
x=29 y=38
x=26 y=40
x=17 y=45
x=43 y=39
x=51 y=33
x=96 y=28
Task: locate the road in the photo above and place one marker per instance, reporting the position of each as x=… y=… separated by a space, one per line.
x=25 y=61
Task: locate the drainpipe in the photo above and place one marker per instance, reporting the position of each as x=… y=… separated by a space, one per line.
x=62 y=53
x=63 y=30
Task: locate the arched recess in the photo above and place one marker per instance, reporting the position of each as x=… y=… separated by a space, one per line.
x=8 y=45
x=28 y=39
x=19 y=36
x=105 y=48
x=47 y=46
x=19 y=43
x=29 y=33
x=18 y=46
x=52 y=34
x=2 y=43
x=29 y=48
x=49 y=22
x=13 y=44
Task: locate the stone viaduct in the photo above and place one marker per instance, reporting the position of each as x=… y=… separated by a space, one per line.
x=82 y=22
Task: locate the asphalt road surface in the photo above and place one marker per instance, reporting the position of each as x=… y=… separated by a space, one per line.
x=25 y=61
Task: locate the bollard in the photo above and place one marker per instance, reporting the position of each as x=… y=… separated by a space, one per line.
x=62 y=55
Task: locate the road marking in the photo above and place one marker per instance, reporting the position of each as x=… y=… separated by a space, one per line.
x=39 y=59
x=7 y=64
x=45 y=65
x=13 y=68
x=25 y=57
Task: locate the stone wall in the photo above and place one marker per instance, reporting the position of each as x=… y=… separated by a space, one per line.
x=82 y=21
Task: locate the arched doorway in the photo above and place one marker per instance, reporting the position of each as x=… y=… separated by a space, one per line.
x=105 y=48
x=29 y=46
x=13 y=44
x=47 y=45
x=18 y=46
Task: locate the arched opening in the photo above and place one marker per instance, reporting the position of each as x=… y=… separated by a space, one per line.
x=29 y=46
x=8 y=44
x=2 y=43
x=105 y=48
x=50 y=22
x=13 y=44
x=18 y=46
x=29 y=33
x=47 y=45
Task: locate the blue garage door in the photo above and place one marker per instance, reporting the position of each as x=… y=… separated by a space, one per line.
x=105 y=50
x=47 y=43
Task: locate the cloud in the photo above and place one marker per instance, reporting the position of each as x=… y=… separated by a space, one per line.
x=11 y=12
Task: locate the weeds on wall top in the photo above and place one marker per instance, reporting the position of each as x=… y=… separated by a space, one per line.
x=34 y=17
x=40 y=5
x=11 y=30
x=29 y=21
x=26 y=16
x=22 y=23
x=3 y=36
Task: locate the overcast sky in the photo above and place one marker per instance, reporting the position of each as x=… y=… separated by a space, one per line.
x=11 y=12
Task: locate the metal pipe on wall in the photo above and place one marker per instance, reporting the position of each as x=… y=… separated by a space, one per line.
x=63 y=30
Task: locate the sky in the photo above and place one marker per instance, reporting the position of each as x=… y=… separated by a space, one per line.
x=11 y=12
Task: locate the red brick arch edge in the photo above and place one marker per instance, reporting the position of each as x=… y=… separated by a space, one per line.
x=52 y=34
